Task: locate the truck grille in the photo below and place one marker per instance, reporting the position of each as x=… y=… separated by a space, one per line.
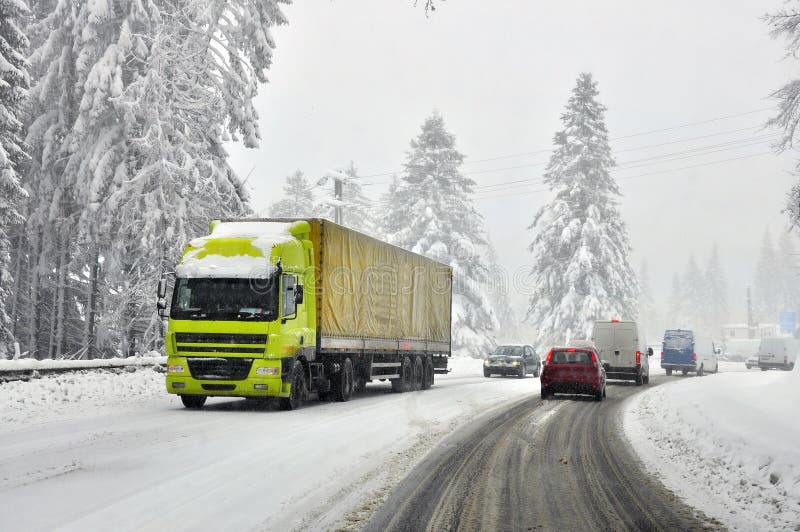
x=228 y=369
x=251 y=344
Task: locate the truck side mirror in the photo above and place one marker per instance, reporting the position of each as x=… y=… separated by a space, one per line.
x=298 y=294
x=649 y=351
x=162 y=288
x=162 y=306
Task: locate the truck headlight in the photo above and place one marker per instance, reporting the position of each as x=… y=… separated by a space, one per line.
x=174 y=369
x=268 y=371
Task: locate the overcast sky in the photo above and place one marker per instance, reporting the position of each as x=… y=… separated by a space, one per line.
x=354 y=80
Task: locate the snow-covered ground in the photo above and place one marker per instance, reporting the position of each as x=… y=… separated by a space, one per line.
x=103 y=448
x=728 y=444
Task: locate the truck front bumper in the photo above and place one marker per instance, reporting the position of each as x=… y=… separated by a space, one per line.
x=254 y=385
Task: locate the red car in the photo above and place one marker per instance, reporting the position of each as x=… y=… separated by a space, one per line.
x=575 y=370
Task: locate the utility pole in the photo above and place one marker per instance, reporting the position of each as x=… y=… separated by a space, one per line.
x=750 y=324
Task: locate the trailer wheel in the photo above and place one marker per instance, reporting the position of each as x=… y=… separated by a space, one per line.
x=298 y=391
x=419 y=374
x=194 y=402
x=342 y=385
x=403 y=384
x=427 y=381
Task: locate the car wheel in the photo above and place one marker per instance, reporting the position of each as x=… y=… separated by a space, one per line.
x=546 y=393
x=598 y=396
x=486 y=373
x=298 y=390
x=700 y=371
x=522 y=371
x=536 y=372
x=716 y=369
x=194 y=402
x=684 y=371
x=604 y=391
x=669 y=372
x=764 y=369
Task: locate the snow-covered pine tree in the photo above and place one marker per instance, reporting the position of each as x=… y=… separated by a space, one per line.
x=357 y=208
x=581 y=271
x=298 y=200
x=716 y=293
x=129 y=118
x=788 y=273
x=649 y=318
x=498 y=289
x=695 y=294
x=767 y=285
x=435 y=200
x=785 y=23
x=676 y=306
x=14 y=82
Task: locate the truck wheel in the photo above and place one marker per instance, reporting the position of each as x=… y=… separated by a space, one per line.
x=419 y=374
x=669 y=372
x=342 y=385
x=297 y=393
x=361 y=384
x=639 y=380
x=194 y=402
x=427 y=381
x=403 y=384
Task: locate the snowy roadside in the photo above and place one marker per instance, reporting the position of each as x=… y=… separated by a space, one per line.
x=338 y=461
x=728 y=444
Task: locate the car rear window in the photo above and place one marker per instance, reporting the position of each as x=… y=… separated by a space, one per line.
x=571 y=357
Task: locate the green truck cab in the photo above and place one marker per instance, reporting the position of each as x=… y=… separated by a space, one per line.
x=294 y=309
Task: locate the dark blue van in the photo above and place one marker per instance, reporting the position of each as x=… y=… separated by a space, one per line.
x=677 y=352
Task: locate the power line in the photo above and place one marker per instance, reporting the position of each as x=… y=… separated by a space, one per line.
x=635 y=148
x=667 y=157
x=631 y=135
x=625 y=178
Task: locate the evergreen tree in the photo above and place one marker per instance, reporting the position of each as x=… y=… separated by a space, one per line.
x=767 y=283
x=676 y=318
x=14 y=82
x=129 y=115
x=298 y=200
x=788 y=274
x=649 y=318
x=716 y=293
x=497 y=288
x=694 y=298
x=435 y=201
x=357 y=209
x=581 y=271
x=785 y=23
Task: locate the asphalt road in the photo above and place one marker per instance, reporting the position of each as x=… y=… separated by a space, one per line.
x=559 y=464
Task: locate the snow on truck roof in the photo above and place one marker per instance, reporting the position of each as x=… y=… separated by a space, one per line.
x=247 y=260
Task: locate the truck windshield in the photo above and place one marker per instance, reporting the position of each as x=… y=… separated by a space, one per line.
x=225 y=299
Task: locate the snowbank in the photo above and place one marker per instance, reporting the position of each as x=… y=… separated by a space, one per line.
x=28 y=364
x=728 y=444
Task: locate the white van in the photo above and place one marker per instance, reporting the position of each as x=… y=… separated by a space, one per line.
x=623 y=350
x=780 y=353
x=707 y=357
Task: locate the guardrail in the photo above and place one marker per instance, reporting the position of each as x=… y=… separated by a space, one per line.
x=26 y=369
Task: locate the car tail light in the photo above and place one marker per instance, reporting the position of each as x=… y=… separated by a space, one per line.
x=694 y=356
x=638 y=357
x=594 y=359
x=614 y=321
x=570 y=350
x=549 y=356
